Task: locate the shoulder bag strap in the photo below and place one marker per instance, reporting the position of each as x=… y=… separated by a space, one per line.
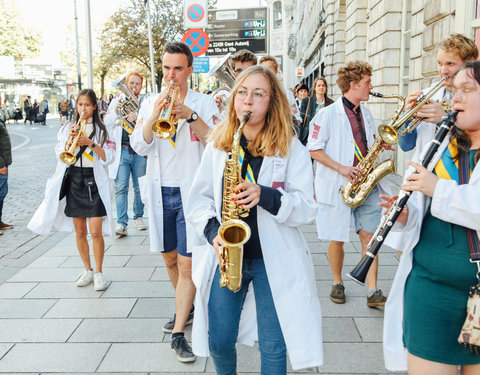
x=306 y=112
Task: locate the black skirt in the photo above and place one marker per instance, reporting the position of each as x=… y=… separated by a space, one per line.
x=83 y=199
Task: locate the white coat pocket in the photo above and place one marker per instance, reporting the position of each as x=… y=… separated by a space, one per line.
x=326 y=192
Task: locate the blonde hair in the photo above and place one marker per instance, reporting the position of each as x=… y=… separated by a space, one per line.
x=278 y=130
x=460 y=45
x=352 y=71
x=269 y=58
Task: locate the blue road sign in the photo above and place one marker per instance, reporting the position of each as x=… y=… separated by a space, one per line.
x=201 y=64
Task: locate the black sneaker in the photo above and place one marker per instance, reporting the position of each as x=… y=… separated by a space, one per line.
x=182 y=350
x=376 y=299
x=168 y=327
x=337 y=295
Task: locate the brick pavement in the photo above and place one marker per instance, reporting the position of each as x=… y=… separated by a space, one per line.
x=48 y=325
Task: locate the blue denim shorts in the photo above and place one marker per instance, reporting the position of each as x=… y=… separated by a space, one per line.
x=174 y=230
x=367 y=216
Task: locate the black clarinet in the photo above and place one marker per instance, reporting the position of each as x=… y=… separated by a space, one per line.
x=359 y=273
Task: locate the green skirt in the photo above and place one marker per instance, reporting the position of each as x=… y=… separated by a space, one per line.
x=436 y=294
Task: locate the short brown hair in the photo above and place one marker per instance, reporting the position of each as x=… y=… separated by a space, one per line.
x=244 y=55
x=460 y=45
x=353 y=71
x=134 y=74
x=269 y=58
x=179 y=47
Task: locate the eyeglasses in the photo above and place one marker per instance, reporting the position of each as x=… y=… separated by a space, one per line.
x=257 y=95
x=461 y=94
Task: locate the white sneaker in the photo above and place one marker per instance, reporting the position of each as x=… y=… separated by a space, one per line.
x=85 y=278
x=99 y=282
x=139 y=224
x=121 y=230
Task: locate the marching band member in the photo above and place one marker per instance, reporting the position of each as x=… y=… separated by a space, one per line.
x=86 y=187
x=171 y=165
x=278 y=190
x=127 y=161
x=452 y=53
x=270 y=62
x=427 y=303
x=340 y=136
x=241 y=60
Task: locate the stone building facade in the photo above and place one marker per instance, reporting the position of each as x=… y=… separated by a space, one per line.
x=399 y=38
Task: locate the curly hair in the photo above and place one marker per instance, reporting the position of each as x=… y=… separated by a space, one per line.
x=460 y=45
x=353 y=71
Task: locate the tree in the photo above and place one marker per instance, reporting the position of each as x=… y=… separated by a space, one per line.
x=127 y=32
x=15 y=39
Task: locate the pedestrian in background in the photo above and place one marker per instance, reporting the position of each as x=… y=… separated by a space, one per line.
x=5 y=161
x=36 y=110
x=87 y=190
x=44 y=109
x=71 y=108
x=64 y=106
x=28 y=108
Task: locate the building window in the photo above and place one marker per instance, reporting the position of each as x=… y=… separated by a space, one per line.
x=277 y=14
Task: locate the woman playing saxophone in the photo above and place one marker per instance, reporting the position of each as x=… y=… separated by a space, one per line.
x=276 y=187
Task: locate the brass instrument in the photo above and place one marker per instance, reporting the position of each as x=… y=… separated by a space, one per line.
x=233 y=231
x=223 y=70
x=127 y=104
x=416 y=121
x=355 y=192
x=165 y=126
x=68 y=156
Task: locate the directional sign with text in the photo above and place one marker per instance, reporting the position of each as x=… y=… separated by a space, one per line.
x=197 y=40
x=195 y=13
x=230 y=30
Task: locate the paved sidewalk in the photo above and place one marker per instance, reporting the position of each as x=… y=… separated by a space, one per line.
x=48 y=325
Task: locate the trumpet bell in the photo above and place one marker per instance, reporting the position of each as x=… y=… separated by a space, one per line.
x=68 y=158
x=388 y=134
x=163 y=129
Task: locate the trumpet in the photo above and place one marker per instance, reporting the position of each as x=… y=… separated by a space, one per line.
x=444 y=104
x=165 y=127
x=127 y=104
x=68 y=156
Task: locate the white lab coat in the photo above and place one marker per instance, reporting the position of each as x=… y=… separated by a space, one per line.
x=287 y=258
x=330 y=130
x=116 y=134
x=188 y=152
x=50 y=215
x=458 y=204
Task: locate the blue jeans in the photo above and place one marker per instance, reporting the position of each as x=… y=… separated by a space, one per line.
x=137 y=165
x=3 y=191
x=224 y=308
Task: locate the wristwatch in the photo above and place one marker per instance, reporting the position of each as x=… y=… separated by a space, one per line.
x=193 y=117
x=93 y=145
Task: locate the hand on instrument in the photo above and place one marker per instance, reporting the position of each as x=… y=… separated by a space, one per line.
x=159 y=105
x=412 y=99
x=431 y=112
x=73 y=129
x=217 y=242
x=424 y=181
x=181 y=111
x=387 y=146
x=219 y=100
x=132 y=117
x=247 y=194
x=388 y=202
x=83 y=140
x=352 y=173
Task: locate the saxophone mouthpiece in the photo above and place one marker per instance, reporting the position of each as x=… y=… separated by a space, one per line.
x=377 y=94
x=246 y=116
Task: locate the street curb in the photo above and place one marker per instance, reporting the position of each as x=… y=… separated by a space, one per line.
x=27 y=258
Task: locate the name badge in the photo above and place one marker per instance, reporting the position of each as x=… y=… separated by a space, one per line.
x=279 y=167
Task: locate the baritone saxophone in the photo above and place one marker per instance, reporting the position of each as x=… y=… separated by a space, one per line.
x=233 y=232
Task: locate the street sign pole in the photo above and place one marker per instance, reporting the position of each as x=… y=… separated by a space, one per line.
x=150 y=42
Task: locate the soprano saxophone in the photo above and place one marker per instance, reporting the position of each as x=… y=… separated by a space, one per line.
x=233 y=231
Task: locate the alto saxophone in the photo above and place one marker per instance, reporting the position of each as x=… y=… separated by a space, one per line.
x=233 y=231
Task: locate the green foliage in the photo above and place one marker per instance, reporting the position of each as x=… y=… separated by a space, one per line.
x=16 y=40
x=125 y=35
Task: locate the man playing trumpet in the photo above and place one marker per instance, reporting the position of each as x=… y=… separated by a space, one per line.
x=171 y=166
x=127 y=161
x=452 y=53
